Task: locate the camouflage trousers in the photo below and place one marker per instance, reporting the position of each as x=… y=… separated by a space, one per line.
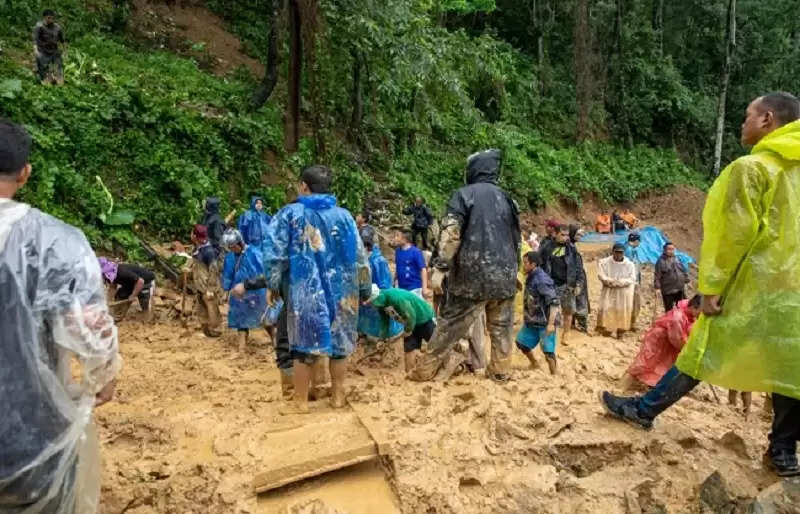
x=457 y=318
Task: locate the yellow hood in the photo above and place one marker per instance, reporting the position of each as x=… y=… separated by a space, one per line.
x=785 y=142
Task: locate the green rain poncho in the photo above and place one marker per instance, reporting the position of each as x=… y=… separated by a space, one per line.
x=751 y=257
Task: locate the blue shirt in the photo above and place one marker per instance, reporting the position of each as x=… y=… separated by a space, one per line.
x=409 y=265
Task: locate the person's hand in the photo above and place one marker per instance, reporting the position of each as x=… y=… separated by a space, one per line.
x=437 y=279
x=551 y=329
x=270 y=297
x=427 y=293
x=106 y=394
x=238 y=291
x=711 y=305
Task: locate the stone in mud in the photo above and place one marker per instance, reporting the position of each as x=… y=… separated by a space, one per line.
x=780 y=498
x=715 y=497
x=734 y=442
x=467 y=396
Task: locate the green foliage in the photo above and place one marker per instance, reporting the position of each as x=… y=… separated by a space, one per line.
x=160 y=133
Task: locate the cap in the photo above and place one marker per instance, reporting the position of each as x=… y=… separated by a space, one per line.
x=634 y=236
x=618 y=247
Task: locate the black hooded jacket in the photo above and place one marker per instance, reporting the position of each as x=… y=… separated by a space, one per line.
x=213 y=222
x=485 y=267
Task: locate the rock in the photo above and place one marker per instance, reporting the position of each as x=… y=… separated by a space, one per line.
x=425 y=400
x=780 y=498
x=646 y=499
x=467 y=396
x=714 y=495
x=734 y=442
x=632 y=503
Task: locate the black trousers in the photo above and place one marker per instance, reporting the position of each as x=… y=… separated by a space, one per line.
x=283 y=349
x=420 y=232
x=672 y=299
x=786 y=423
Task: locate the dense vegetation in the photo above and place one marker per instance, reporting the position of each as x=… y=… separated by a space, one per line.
x=611 y=97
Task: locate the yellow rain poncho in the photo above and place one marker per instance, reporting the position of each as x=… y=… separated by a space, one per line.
x=751 y=257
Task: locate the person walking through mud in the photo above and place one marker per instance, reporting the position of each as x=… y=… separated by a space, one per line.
x=314 y=249
x=541 y=313
x=243 y=262
x=253 y=223
x=747 y=337
x=478 y=251
x=53 y=314
x=214 y=223
x=562 y=262
x=205 y=275
x=422 y=219
x=670 y=277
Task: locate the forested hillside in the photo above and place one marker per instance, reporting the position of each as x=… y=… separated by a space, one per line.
x=610 y=97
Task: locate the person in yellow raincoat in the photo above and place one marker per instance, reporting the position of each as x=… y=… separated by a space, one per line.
x=747 y=338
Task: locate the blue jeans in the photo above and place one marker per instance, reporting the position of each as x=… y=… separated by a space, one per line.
x=673 y=386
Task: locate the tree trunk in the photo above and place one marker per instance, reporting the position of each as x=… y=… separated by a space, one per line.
x=658 y=25
x=623 y=112
x=356 y=97
x=583 y=68
x=292 y=122
x=264 y=90
x=730 y=44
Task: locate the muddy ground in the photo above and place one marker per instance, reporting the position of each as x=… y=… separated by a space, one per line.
x=193 y=420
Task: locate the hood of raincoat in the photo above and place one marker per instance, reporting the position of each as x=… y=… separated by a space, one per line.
x=318 y=202
x=212 y=205
x=784 y=141
x=253 y=200
x=484 y=167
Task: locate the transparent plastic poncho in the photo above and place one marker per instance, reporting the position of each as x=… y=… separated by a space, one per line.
x=751 y=258
x=58 y=350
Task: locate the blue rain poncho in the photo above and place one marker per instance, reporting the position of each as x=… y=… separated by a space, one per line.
x=381 y=274
x=53 y=312
x=247 y=311
x=314 y=246
x=370 y=320
x=253 y=223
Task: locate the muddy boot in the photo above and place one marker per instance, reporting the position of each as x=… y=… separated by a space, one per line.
x=210 y=333
x=242 y=338
x=552 y=363
x=410 y=359
x=733 y=398
x=287 y=387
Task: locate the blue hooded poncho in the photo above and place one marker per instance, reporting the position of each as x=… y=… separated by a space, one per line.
x=314 y=247
x=253 y=223
x=247 y=311
x=370 y=322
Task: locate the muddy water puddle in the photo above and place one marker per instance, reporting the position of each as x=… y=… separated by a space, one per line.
x=360 y=489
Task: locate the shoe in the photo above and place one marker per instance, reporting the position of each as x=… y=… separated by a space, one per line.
x=783 y=462
x=625 y=409
x=501 y=377
x=552 y=363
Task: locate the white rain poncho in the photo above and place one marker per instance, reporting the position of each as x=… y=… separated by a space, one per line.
x=52 y=312
x=616 y=299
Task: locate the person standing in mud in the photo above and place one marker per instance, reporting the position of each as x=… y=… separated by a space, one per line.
x=580 y=319
x=253 y=223
x=541 y=313
x=478 y=252
x=243 y=262
x=747 y=337
x=564 y=265
x=59 y=351
x=670 y=277
x=205 y=276
x=314 y=253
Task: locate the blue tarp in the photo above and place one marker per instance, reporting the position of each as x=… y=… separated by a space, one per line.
x=650 y=249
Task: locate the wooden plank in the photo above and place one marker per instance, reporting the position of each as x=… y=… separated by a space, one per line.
x=379 y=432
x=325 y=442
